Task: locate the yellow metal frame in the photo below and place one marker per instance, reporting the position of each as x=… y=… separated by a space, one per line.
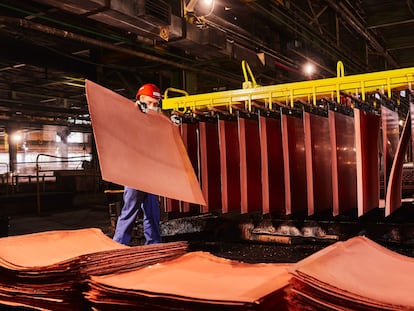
x=310 y=91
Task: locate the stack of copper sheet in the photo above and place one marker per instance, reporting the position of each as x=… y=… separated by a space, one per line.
x=357 y=274
x=194 y=281
x=47 y=271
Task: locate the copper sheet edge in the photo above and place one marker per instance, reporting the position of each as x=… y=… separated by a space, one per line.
x=264 y=164
x=367 y=160
x=390 y=140
x=393 y=198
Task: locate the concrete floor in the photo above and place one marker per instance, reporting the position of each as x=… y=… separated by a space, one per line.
x=84 y=217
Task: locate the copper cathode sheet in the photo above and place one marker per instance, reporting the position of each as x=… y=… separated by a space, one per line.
x=199 y=277
x=367 y=125
x=250 y=165
x=273 y=189
x=210 y=165
x=344 y=177
x=52 y=247
x=390 y=139
x=356 y=273
x=294 y=160
x=318 y=163
x=140 y=150
x=393 y=198
x=230 y=165
x=189 y=133
x=172 y=205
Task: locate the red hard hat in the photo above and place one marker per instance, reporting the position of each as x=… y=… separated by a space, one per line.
x=150 y=90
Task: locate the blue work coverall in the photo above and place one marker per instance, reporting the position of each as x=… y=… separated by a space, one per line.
x=133 y=200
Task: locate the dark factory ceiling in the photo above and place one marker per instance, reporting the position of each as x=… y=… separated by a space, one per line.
x=49 y=47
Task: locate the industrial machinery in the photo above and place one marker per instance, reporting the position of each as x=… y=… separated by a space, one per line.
x=335 y=146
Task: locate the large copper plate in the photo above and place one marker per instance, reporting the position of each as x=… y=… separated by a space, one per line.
x=273 y=190
x=230 y=165
x=250 y=165
x=318 y=163
x=390 y=139
x=393 y=198
x=140 y=150
x=367 y=127
x=344 y=180
x=294 y=160
x=210 y=165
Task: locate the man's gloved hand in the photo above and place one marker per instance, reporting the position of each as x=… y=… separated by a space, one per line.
x=142 y=106
x=175 y=119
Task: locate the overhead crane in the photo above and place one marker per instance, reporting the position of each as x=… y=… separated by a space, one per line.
x=310 y=91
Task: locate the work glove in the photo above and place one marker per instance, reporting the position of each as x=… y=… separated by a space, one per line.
x=142 y=106
x=175 y=119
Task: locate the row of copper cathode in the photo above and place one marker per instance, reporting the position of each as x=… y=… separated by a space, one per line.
x=294 y=163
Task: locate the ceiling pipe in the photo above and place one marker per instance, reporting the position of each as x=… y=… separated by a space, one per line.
x=106 y=45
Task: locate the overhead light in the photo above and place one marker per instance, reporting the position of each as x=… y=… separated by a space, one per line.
x=309 y=69
x=16 y=137
x=206 y=6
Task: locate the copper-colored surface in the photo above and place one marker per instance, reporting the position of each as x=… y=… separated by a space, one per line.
x=357 y=274
x=367 y=127
x=250 y=166
x=394 y=190
x=390 y=138
x=140 y=150
x=230 y=166
x=52 y=247
x=172 y=205
x=195 y=281
x=273 y=190
x=210 y=165
x=294 y=163
x=189 y=133
x=45 y=270
x=344 y=180
x=318 y=163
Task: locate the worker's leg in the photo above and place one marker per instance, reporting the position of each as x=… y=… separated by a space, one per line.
x=151 y=209
x=132 y=201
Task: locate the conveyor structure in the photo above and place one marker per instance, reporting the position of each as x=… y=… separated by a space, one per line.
x=312 y=147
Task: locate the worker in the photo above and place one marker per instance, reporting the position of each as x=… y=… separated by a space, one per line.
x=147 y=98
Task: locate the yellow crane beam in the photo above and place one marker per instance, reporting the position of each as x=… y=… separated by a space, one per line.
x=357 y=85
